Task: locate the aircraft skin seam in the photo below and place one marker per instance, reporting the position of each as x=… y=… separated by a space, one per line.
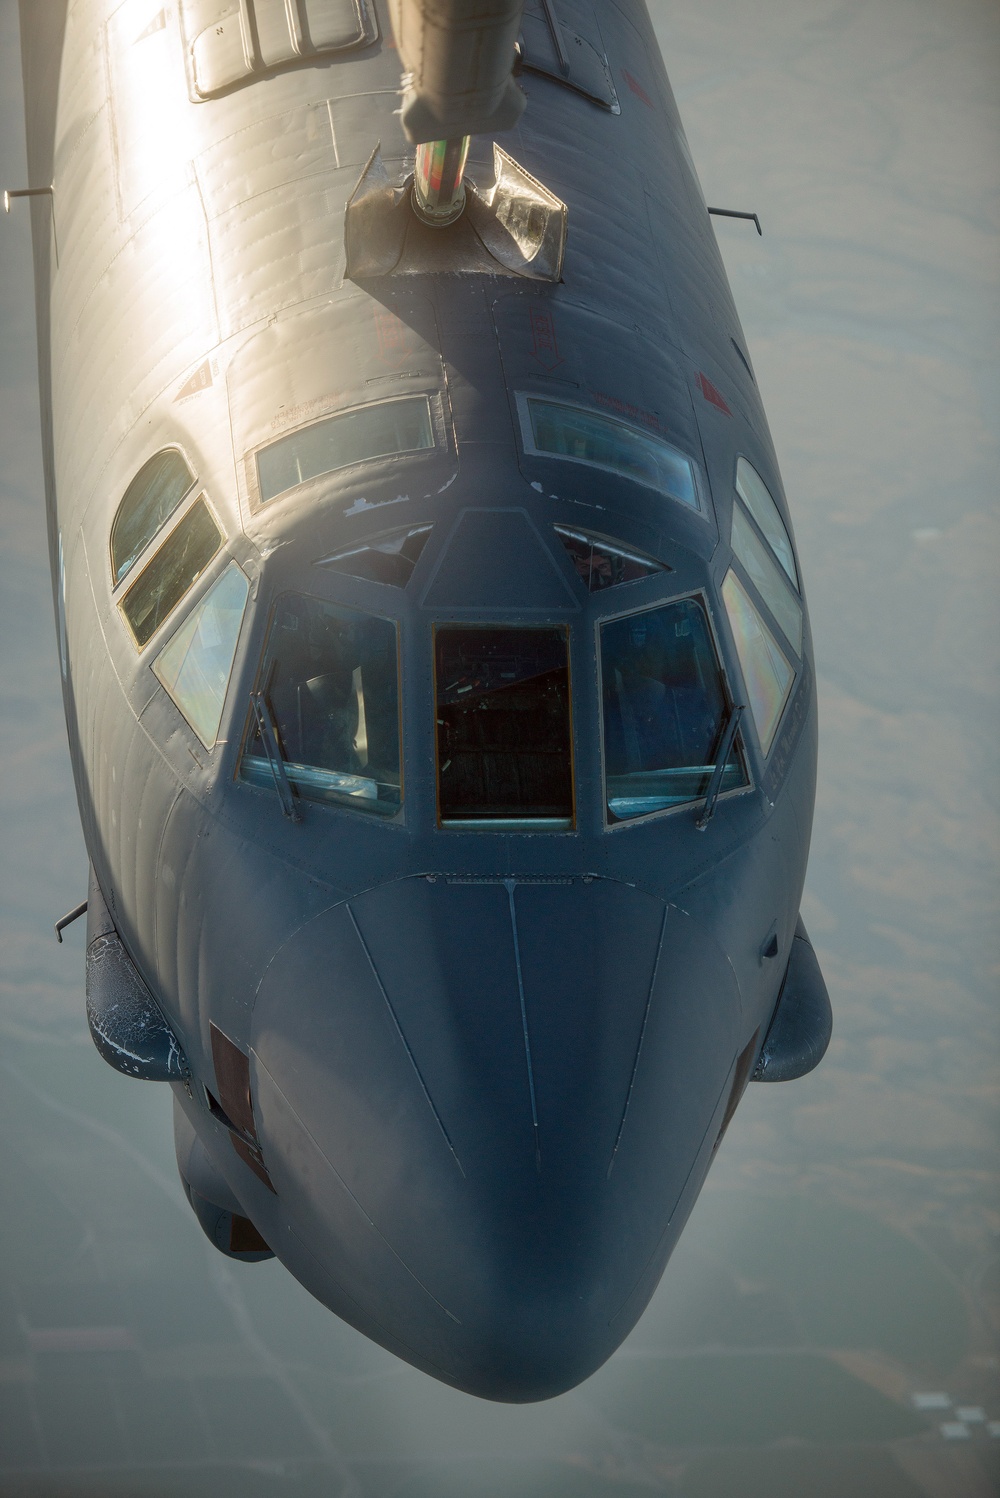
x=510 y=885
x=160 y=864
x=391 y=1337
x=723 y=1093
x=406 y=1046
x=638 y=1049
x=370 y=1220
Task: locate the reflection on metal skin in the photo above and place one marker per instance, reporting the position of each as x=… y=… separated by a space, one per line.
x=513 y=226
x=438 y=189
x=127 y=1027
x=521 y=223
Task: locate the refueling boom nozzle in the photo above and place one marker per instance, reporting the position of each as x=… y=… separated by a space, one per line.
x=457 y=58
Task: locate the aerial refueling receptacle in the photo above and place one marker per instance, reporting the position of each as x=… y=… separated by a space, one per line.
x=435 y=656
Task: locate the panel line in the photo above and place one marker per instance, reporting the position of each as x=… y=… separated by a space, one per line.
x=638 y=1049
x=510 y=885
x=406 y=1044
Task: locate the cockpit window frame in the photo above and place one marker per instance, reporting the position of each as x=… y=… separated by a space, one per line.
x=790 y=568
x=780 y=603
x=260 y=645
x=533 y=826
x=134 y=577
x=135 y=563
x=522 y=400
x=740 y=744
x=442 y=444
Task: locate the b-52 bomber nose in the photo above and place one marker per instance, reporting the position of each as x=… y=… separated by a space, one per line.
x=419 y=545
x=486 y=1108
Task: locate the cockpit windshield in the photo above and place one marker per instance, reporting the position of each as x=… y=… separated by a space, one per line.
x=665 y=710
x=330 y=679
x=503 y=727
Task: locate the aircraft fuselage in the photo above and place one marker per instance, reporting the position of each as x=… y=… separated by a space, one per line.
x=460 y=1049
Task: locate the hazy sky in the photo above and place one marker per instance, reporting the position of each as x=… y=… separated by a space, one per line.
x=845 y=1255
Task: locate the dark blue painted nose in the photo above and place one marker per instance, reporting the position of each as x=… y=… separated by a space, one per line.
x=483 y=1106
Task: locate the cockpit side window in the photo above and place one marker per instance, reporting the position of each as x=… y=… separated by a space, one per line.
x=368 y=432
x=171 y=571
x=766 y=670
x=504 y=749
x=768 y=578
x=330 y=679
x=579 y=435
x=149 y=501
x=757 y=498
x=195 y=664
x=665 y=711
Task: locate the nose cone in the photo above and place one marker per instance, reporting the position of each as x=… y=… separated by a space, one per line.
x=481 y=1104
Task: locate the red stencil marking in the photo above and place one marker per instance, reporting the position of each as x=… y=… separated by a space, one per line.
x=396 y=342
x=200 y=380
x=544 y=347
x=637 y=88
x=713 y=396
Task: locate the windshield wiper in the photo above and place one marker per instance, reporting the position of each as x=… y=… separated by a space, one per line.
x=268 y=730
x=732 y=723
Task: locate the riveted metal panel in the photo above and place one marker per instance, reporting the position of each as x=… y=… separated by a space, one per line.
x=265 y=154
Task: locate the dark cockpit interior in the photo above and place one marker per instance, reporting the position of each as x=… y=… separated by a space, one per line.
x=504 y=746
x=328 y=726
x=331 y=689
x=664 y=710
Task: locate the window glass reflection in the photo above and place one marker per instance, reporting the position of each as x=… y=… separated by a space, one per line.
x=177 y=565
x=605 y=564
x=767 y=673
x=503 y=726
x=386 y=559
x=194 y=665
x=380 y=431
x=665 y=710
x=551 y=430
x=757 y=498
x=149 y=501
x=331 y=678
x=768 y=579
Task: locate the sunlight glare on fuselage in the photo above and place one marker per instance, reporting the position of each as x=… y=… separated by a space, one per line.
x=152 y=111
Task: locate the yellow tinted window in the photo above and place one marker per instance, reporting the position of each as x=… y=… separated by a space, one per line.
x=149 y=501
x=165 y=579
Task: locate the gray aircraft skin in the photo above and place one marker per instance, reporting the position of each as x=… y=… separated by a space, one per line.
x=459 y=1051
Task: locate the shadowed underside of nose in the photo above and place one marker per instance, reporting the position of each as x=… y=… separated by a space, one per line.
x=480 y=1103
